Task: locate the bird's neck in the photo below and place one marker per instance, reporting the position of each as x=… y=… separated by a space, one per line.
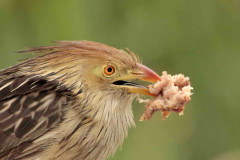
x=100 y=128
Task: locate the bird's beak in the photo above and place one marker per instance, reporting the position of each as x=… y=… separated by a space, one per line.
x=146 y=74
x=142 y=73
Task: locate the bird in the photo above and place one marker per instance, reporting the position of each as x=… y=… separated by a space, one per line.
x=71 y=101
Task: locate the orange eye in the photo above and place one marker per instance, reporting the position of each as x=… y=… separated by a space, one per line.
x=109 y=70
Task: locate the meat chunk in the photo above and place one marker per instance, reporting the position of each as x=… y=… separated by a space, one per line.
x=172 y=93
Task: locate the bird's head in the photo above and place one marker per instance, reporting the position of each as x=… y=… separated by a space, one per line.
x=118 y=75
x=97 y=65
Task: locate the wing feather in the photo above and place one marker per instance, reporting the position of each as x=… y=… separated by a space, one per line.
x=29 y=107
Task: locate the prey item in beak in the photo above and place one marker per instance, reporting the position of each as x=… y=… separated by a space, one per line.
x=142 y=73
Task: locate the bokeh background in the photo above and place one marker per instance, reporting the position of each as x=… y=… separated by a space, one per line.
x=199 y=38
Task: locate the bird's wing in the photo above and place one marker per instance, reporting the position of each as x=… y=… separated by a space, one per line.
x=29 y=107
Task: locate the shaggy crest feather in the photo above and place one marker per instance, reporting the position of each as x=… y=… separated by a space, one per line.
x=73 y=49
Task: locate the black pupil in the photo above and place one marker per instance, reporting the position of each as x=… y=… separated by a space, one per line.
x=110 y=69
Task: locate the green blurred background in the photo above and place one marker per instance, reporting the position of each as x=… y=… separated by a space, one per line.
x=199 y=38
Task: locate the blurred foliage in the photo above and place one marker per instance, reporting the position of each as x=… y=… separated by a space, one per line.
x=198 y=38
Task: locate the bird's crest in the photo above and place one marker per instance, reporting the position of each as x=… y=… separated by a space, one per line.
x=84 y=48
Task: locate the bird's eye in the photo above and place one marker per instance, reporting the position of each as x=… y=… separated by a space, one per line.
x=109 y=70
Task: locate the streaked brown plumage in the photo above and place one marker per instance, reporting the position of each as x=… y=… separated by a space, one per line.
x=68 y=103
